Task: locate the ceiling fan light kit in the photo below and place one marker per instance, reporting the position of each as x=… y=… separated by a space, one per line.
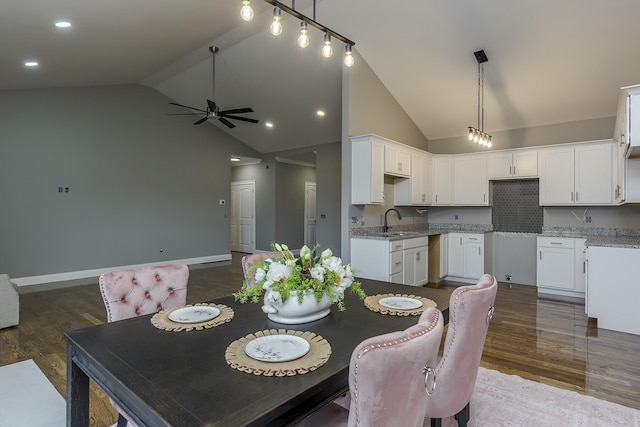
x=477 y=134
x=246 y=12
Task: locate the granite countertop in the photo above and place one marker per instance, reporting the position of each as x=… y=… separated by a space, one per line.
x=604 y=237
x=410 y=232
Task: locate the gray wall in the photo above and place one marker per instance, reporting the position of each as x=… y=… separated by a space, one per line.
x=138 y=180
x=290 y=197
x=328 y=190
x=626 y=216
x=583 y=130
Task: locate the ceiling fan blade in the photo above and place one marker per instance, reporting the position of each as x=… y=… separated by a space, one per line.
x=202 y=120
x=237 y=111
x=244 y=119
x=211 y=104
x=186 y=106
x=182 y=114
x=226 y=122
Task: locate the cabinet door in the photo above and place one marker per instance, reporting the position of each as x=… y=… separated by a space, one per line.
x=397 y=160
x=367 y=171
x=444 y=255
x=420 y=179
x=525 y=164
x=442 y=181
x=409 y=267
x=470 y=183
x=593 y=175
x=456 y=254
x=580 y=267
x=499 y=165
x=473 y=257
x=422 y=266
x=556 y=177
x=556 y=268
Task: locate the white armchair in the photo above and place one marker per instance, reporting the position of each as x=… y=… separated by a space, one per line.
x=9 y=302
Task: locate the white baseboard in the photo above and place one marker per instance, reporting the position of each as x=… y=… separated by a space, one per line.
x=73 y=275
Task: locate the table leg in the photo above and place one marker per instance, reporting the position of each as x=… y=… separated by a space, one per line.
x=77 y=393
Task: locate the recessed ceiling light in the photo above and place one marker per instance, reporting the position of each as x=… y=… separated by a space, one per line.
x=235 y=159
x=31 y=64
x=63 y=24
x=320 y=113
x=268 y=124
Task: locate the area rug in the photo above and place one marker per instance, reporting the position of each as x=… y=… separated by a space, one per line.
x=27 y=398
x=510 y=401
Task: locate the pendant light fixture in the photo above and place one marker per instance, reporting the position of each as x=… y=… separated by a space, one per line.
x=246 y=12
x=276 y=25
x=478 y=134
x=303 y=38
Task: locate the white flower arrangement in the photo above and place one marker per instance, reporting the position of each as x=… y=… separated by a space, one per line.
x=324 y=274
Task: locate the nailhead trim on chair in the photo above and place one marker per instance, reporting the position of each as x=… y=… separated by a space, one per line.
x=366 y=349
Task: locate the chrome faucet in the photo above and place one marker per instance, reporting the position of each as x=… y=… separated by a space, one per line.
x=385 y=228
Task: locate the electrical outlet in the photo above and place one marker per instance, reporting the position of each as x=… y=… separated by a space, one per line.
x=588 y=220
x=455 y=217
x=354 y=219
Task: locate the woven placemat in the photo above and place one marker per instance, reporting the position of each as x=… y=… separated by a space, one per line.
x=373 y=303
x=318 y=354
x=161 y=319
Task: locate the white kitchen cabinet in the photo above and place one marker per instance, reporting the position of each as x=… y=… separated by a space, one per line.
x=471 y=186
x=398 y=261
x=613 y=294
x=397 y=159
x=416 y=190
x=512 y=164
x=628 y=120
x=577 y=175
x=465 y=255
x=561 y=266
x=443 y=176
x=367 y=170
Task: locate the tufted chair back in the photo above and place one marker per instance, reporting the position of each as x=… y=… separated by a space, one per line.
x=130 y=293
x=387 y=377
x=249 y=261
x=470 y=311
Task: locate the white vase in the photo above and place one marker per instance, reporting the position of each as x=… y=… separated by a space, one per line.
x=291 y=311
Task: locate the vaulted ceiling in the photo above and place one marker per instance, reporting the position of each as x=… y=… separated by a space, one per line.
x=549 y=61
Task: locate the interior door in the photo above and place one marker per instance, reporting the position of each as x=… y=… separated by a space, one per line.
x=309 y=213
x=243 y=216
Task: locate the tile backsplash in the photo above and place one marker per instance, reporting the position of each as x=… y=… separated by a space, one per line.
x=516 y=206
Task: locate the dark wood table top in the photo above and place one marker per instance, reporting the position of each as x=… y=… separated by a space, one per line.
x=182 y=378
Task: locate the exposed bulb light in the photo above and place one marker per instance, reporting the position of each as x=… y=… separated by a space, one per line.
x=327 y=50
x=31 y=64
x=303 y=39
x=478 y=134
x=348 y=56
x=470 y=133
x=63 y=24
x=246 y=12
x=276 y=25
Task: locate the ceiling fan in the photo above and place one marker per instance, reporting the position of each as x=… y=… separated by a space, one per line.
x=213 y=110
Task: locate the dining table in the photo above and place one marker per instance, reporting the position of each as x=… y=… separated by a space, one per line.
x=168 y=378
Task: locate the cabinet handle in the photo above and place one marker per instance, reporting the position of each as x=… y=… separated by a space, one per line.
x=510 y=170
x=540 y=255
x=399 y=166
x=417 y=256
x=484 y=197
x=514 y=169
x=479 y=251
x=572 y=196
x=436 y=198
x=577 y=198
x=584 y=267
x=398 y=263
x=461 y=241
x=556 y=243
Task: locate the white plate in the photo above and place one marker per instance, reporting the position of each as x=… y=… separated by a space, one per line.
x=195 y=314
x=277 y=348
x=400 y=303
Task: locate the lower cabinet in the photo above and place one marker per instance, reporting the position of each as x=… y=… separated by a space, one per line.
x=465 y=255
x=561 y=266
x=399 y=261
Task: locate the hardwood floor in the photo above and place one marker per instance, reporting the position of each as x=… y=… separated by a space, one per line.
x=542 y=340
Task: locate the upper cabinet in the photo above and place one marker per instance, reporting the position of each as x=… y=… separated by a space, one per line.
x=512 y=164
x=367 y=170
x=416 y=190
x=443 y=174
x=397 y=159
x=471 y=186
x=577 y=175
x=627 y=130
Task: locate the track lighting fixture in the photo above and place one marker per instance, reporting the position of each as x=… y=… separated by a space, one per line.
x=276 y=26
x=478 y=134
x=303 y=39
x=246 y=12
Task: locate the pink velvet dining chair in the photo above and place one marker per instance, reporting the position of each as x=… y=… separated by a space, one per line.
x=470 y=311
x=389 y=376
x=250 y=261
x=130 y=293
